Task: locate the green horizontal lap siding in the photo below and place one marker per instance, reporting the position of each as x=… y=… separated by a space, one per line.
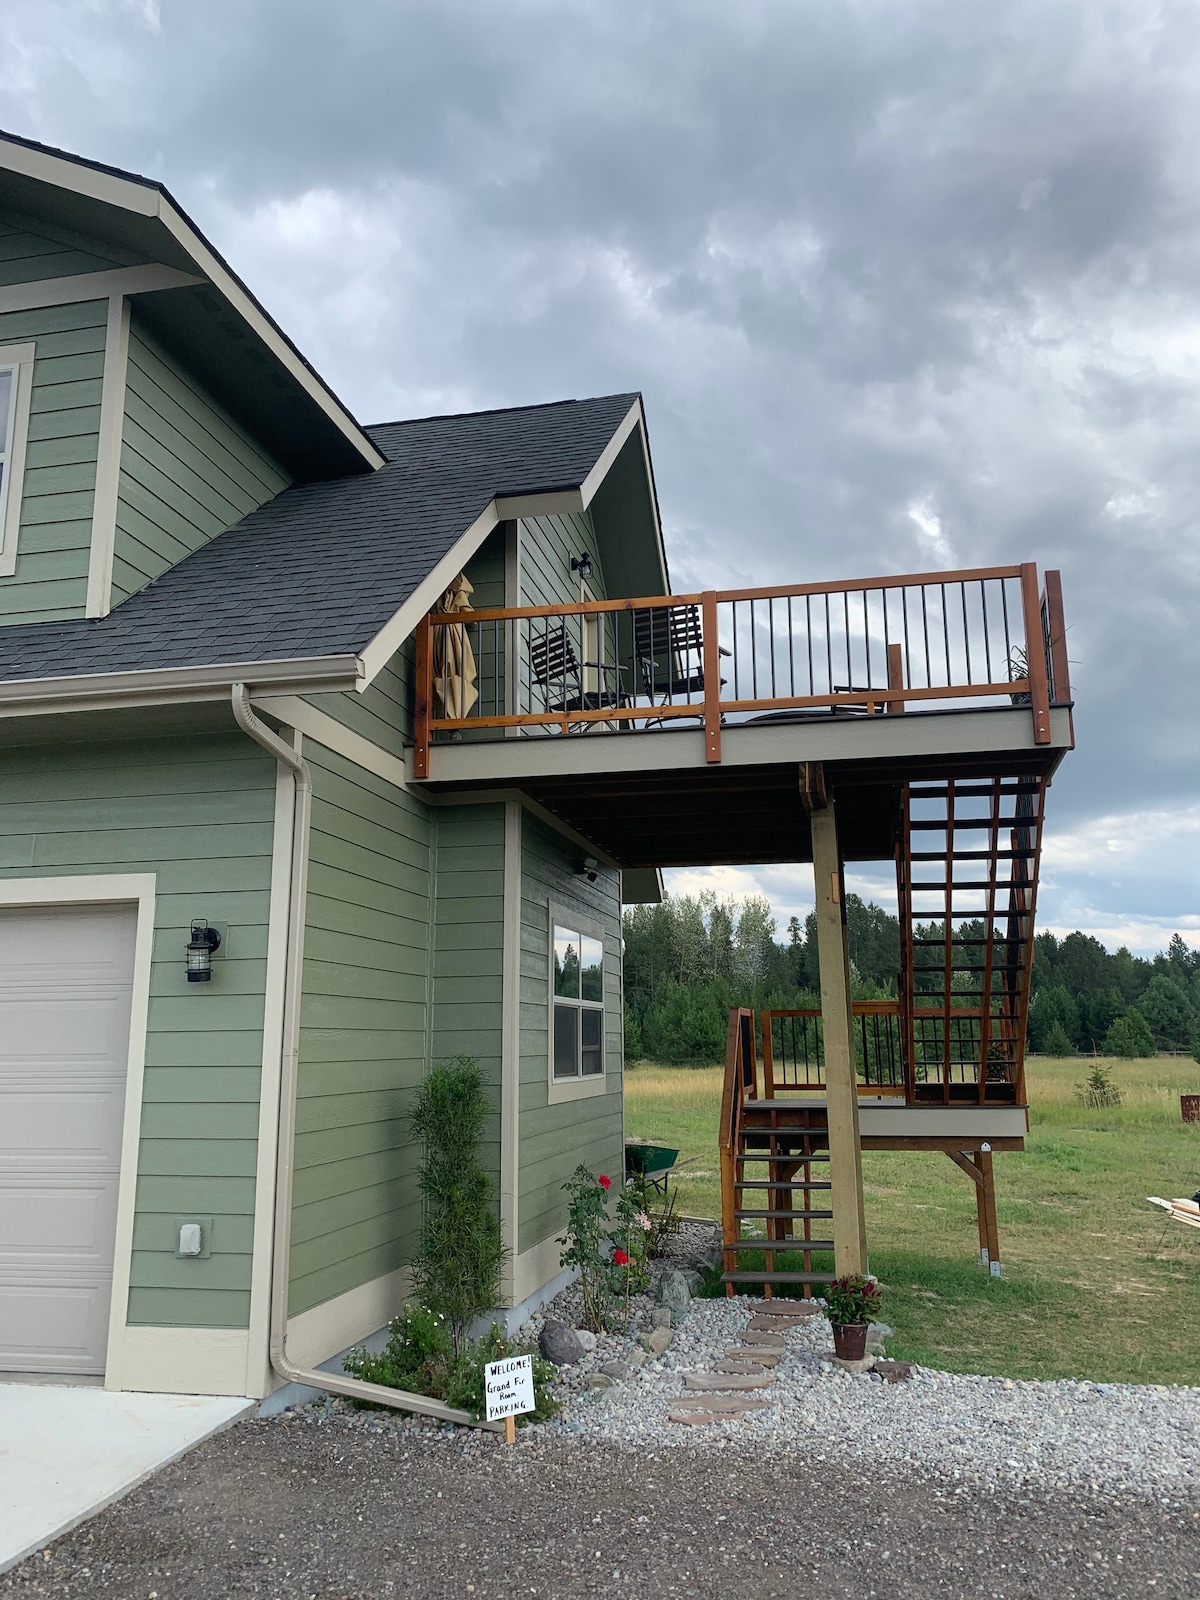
x=382 y=713
x=363 y=1039
x=554 y=1139
x=54 y=541
x=188 y=471
x=32 y=250
x=199 y=814
x=468 y=952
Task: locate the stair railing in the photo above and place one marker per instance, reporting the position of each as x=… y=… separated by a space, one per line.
x=741 y=1084
x=793 y=1056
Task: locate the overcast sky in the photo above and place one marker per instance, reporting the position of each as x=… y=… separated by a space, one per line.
x=905 y=285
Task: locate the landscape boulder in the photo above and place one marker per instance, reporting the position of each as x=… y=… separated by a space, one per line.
x=673 y=1292
x=587 y=1339
x=657 y=1340
x=560 y=1344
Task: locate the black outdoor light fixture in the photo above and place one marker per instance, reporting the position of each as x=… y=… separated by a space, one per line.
x=582 y=564
x=199 y=951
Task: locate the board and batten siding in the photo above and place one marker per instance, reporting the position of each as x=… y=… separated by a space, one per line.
x=188 y=470
x=199 y=814
x=53 y=544
x=554 y=1139
x=363 y=1031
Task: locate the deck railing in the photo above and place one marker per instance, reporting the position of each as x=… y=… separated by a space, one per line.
x=856 y=648
x=793 y=1056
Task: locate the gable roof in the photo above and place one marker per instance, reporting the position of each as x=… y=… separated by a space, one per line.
x=323 y=568
x=190 y=295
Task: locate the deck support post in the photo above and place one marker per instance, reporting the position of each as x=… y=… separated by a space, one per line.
x=841 y=1077
x=977 y=1164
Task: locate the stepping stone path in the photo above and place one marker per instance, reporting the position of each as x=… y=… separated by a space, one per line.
x=723 y=1393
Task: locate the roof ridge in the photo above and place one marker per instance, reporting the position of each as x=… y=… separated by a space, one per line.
x=497 y=411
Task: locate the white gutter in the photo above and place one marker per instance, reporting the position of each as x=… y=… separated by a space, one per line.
x=98 y=691
x=352 y=1388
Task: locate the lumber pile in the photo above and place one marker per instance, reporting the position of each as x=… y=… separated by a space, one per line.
x=1182 y=1210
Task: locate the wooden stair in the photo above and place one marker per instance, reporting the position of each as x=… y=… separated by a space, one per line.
x=789 y=1138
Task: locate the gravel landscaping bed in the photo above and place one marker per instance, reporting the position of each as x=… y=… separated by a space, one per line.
x=1079 y=1436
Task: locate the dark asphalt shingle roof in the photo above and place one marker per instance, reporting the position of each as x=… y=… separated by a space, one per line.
x=321 y=568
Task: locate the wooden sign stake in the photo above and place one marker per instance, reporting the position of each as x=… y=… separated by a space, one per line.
x=510 y=1430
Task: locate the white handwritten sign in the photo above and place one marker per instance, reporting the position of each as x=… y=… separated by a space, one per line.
x=509 y=1387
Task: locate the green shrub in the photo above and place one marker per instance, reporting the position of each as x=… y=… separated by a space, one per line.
x=1130 y=1036
x=415 y=1356
x=465 y=1386
x=457 y=1268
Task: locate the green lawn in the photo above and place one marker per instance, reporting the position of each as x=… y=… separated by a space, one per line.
x=1092 y=1286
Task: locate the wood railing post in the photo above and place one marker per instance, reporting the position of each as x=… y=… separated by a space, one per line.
x=423 y=698
x=711 y=658
x=1056 y=630
x=1035 y=653
x=895 y=669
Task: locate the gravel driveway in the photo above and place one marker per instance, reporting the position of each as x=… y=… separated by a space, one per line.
x=343 y=1506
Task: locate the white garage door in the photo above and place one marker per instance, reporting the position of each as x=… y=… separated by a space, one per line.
x=66 y=979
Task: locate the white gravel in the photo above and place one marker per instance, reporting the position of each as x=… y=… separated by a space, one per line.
x=960 y=1431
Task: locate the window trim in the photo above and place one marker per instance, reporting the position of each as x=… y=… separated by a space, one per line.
x=21 y=358
x=581 y=1088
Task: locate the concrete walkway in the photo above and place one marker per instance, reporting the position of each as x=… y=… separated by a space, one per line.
x=67 y=1451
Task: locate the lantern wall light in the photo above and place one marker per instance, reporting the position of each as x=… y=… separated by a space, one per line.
x=199 y=952
x=582 y=564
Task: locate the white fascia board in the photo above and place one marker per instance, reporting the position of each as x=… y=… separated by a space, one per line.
x=634 y=418
x=169 y=685
x=82 y=286
x=423 y=598
x=150 y=200
x=609 y=454
x=250 y=311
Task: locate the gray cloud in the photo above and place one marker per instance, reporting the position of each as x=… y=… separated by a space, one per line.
x=865 y=260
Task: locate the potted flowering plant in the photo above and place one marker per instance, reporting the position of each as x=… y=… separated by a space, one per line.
x=851 y=1304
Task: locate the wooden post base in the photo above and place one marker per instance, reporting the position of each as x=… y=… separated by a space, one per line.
x=977 y=1164
x=510 y=1430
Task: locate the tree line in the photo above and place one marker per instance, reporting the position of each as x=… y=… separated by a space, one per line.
x=688 y=960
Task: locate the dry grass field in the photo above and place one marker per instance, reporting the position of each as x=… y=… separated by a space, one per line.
x=1097 y=1284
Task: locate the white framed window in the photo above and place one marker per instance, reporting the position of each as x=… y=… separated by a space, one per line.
x=576 y=1004
x=16 y=383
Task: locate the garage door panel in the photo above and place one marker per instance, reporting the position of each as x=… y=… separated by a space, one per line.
x=58 y=1224
x=65 y=994
x=77 y=1128
x=57 y=1029
x=54 y=1327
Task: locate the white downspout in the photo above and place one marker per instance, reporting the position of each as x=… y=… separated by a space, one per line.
x=334 y=1383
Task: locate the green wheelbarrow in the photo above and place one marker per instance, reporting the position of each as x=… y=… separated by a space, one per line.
x=653 y=1162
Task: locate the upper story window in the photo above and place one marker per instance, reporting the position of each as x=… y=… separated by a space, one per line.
x=577 y=1046
x=8 y=418
x=16 y=378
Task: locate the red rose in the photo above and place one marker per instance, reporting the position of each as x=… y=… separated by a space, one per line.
x=605 y=1183
x=620 y=1259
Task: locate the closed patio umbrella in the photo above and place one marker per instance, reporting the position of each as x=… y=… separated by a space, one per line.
x=453 y=659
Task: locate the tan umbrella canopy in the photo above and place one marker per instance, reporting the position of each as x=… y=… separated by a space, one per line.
x=453 y=659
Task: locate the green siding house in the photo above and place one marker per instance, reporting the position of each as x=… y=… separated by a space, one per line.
x=211 y=583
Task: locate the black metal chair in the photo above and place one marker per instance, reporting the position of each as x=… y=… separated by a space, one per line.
x=668 y=644
x=559 y=674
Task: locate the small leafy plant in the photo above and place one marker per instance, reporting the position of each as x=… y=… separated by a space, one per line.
x=851 y=1301
x=420 y=1357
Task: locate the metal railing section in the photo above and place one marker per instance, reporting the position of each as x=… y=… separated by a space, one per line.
x=855 y=648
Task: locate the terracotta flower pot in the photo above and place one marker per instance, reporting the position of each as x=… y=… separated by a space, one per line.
x=850 y=1340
